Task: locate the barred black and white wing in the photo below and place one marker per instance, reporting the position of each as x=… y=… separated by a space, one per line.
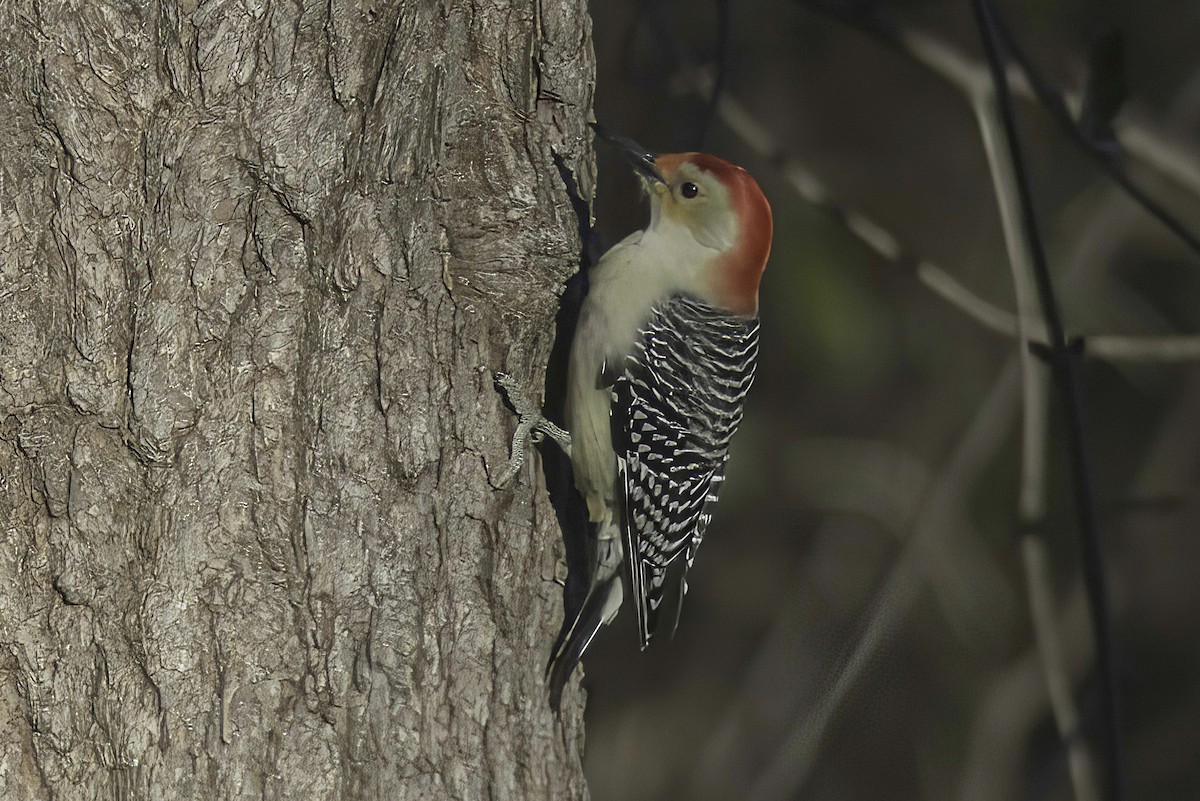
x=675 y=407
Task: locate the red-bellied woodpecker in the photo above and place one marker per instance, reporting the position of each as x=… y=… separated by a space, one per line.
x=662 y=357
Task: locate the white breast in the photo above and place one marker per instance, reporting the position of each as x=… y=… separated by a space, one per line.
x=641 y=270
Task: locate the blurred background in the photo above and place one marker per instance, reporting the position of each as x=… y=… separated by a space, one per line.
x=859 y=623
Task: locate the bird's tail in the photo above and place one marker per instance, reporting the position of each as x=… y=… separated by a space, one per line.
x=599 y=607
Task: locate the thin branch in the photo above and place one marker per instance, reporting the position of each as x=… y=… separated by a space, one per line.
x=979 y=83
x=1049 y=637
x=791 y=766
x=1170 y=348
x=937 y=518
x=1064 y=366
x=1053 y=102
x=1170 y=159
x=1051 y=647
x=1144 y=349
x=1032 y=495
x=801 y=747
x=971 y=78
x=991 y=317
x=1138 y=137
x=1016 y=703
x=1031 y=498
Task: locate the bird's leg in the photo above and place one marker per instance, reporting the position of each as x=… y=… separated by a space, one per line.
x=532 y=426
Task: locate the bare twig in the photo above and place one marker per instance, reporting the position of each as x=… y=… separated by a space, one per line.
x=1114 y=348
x=1004 y=182
x=976 y=83
x=969 y=76
x=1016 y=703
x=789 y=769
x=1139 y=137
x=1057 y=108
x=1063 y=367
x=980 y=83
x=1144 y=349
x=738 y=119
x=1032 y=496
x=1051 y=648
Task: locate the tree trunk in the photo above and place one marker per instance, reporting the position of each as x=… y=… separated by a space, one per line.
x=258 y=261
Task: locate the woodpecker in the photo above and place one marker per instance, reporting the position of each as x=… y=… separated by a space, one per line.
x=663 y=355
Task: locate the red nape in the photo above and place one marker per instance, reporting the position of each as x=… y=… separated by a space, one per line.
x=740 y=269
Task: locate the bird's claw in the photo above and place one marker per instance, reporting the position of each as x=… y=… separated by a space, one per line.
x=532 y=426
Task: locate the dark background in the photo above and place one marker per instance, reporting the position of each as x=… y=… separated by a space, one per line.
x=858 y=624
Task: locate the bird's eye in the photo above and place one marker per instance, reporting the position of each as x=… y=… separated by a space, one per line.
x=689 y=190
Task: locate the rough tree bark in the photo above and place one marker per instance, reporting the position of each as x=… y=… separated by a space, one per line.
x=258 y=260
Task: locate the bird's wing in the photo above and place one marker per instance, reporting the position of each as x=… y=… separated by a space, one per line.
x=676 y=404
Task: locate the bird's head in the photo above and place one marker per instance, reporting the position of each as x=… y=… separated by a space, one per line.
x=722 y=208
x=716 y=203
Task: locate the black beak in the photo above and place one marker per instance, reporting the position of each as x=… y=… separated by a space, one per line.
x=638 y=157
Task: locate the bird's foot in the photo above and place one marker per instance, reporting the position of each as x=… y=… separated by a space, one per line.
x=532 y=426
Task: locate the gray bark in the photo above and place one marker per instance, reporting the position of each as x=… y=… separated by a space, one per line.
x=258 y=260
